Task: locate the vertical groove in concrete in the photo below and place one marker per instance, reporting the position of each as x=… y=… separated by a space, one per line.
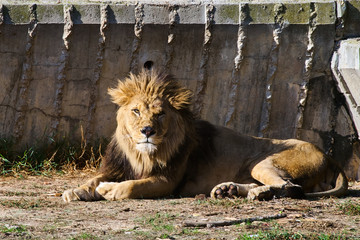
x=279 y=25
x=333 y=120
x=26 y=76
x=235 y=76
x=64 y=61
x=138 y=28
x=303 y=93
x=173 y=20
x=1 y=14
x=202 y=83
x=94 y=88
x=341 y=7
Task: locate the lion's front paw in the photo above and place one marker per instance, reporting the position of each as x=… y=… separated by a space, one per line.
x=80 y=194
x=70 y=195
x=112 y=191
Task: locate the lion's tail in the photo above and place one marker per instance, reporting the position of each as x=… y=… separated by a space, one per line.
x=340 y=188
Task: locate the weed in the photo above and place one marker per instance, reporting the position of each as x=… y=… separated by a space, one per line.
x=174 y=203
x=164 y=236
x=11 y=194
x=12 y=229
x=50 y=229
x=160 y=223
x=85 y=236
x=350 y=208
x=144 y=234
x=25 y=204
x=222 y=202
x=49 y=156
x=285 y=235
x=192 y=231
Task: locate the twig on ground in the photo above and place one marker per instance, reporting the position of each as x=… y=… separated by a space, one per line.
x=232 y=222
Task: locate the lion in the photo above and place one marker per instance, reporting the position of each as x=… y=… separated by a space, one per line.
x=160 y=149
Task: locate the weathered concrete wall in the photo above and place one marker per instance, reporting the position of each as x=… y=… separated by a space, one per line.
x=346 y=69
x=260 y=68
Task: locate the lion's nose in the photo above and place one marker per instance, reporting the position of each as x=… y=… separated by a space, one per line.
x=147 y=131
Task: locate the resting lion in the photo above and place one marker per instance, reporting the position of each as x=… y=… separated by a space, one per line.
x=159 y=149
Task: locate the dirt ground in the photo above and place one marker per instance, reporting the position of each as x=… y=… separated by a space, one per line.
x=31 y=209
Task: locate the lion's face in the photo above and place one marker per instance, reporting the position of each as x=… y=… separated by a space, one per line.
x=146 y=122
x=151 y=116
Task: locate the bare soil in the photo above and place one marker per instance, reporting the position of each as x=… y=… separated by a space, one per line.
x=31 y=208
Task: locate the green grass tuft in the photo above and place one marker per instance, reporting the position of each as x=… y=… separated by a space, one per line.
x=85 y=236
x=23 y=203
x=12 y=229
x=350 y=208
x=49 y=156
x=222 y=202
x=160 y=224
x=285 y=235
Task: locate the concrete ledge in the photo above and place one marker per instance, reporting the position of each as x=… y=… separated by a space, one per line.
x=121 y=14
x=50 y=14
x=89 y=12
x=85 y=14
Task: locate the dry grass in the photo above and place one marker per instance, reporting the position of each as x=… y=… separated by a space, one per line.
x=50 y=156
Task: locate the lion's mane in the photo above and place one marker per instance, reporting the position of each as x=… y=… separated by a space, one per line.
x=122 y=161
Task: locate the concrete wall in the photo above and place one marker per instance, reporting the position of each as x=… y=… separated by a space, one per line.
x=260 y=68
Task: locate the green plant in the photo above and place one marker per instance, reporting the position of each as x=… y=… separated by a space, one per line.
x=222 y=202
x=350 y=208
x=85 y=236
x=26 y=204
x=12 y=229
x=144 y=234
x=285 y=235
x=192 y=232
x=160 y=223
x=49 y=155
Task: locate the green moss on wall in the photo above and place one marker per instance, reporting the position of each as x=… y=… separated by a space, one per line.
x=19 y=13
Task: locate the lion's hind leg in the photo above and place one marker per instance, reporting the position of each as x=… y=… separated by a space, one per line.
x=231 y=190
x=275 y=183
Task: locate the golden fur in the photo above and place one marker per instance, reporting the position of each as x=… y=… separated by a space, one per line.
x=159 y=149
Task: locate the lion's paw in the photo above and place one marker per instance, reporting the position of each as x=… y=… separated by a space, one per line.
x=70 y=195
x=77 y=194
x=261 y=193
x=80 y=194
x=225 y=190
x=111 y=191
x=291 y=190
x=268 y=192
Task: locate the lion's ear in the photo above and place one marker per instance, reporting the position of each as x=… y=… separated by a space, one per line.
x=118 y=96
x=181 y=99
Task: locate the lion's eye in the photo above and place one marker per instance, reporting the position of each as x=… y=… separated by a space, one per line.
x=136 y=111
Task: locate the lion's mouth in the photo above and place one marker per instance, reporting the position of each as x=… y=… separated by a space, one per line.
x=147 y=142
x=147 y=146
